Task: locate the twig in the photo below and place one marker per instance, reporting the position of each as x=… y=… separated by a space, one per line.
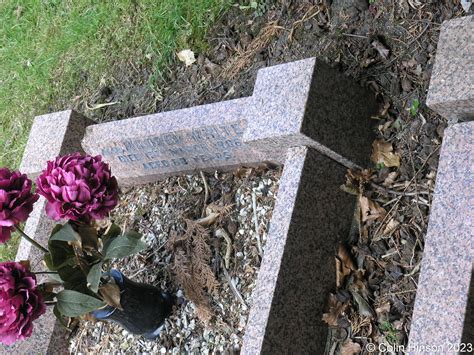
x=417 y=37
x=101 y=331
x=302 y=20
x=398 y=193
x=31 y=240
x=355 y=36
x=208 y=220
x=257 y=235
x=398 y=293
x=98 y=106
x=206 y=193
x=233 y=288
x=221 y=233
x=415 y=181
x=408 y=185
x=45 y=272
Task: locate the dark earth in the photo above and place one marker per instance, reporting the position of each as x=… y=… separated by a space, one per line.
x=387 y=46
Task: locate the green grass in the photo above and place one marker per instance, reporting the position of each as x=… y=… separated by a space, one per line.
x=48 y=47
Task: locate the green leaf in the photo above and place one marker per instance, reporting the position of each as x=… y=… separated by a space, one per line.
x=133 y=234
x=111 y=233
x=73 y=278
x=75 y=304
x=93 y=278
x=414 y=107
x=124 y=245
x=60 y=254
x=59 y=316
x=66 y=233
x=48 y=260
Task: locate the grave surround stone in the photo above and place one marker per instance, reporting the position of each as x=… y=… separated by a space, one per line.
x=311 y=212
x=297 y=273
x=52 y=134
x=451 y=91
x=444 y=304
x=446 y=268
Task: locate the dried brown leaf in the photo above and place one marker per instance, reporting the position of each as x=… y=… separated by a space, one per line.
x=355 y=179
x=381 y=49
x=345 y=257
x=390 y=179
x=370 y=210
x=208 y=220
x=406 y=85
x=110 y=292
x=243 y=172
x=391 y=227
x=89 y=237
x=25 y=264
x=186 y=56
x=362 y=304
x=336 y=310
x=382 y=152
x=350 y=348
x=382 y=312
x=344 y=265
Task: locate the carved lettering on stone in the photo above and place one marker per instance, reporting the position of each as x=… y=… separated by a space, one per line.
x=186 y=147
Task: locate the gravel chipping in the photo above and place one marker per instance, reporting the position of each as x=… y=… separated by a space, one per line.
x=155 y=210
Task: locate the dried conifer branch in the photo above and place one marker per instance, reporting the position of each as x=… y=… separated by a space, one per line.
x=192 y=268
x=244 y=58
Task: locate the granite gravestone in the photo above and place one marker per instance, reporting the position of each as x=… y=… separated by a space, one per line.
x=451 y=91
x=443 y=313
x=301 y=103
x=291 y=106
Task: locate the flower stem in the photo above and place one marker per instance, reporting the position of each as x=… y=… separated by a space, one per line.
x=31 y=240
x=45 y=272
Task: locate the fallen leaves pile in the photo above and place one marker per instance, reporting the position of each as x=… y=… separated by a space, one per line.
x=378 y=266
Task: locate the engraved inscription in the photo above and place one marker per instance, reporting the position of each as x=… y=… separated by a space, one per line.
x=187 y=147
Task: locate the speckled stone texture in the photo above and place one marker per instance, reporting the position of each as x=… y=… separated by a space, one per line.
x=445 y=284
x=148 y=148
x=48 y=335
x=309 y=103
x=51 y=135
x=451 y=91
x=298 y=269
